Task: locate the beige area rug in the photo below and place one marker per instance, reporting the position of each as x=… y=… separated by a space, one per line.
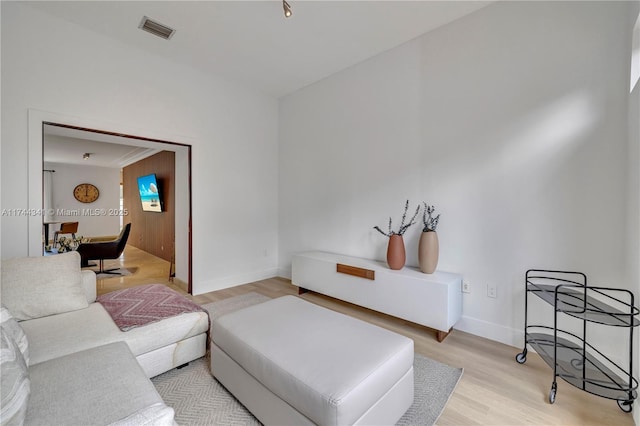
x=199 y=399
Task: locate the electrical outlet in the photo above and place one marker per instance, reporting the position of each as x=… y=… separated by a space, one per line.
x=492 y=291
x=466 y=286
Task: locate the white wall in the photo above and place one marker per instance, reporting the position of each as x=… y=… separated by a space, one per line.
x=1 y=115
x=68 y=209
x=633 y=219
x=51 y=65
x=512 y=121
x=182 y=214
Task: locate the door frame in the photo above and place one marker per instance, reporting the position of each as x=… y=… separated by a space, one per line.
x=38 y=119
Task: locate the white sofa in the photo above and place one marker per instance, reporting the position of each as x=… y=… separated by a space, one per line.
x=81 y=369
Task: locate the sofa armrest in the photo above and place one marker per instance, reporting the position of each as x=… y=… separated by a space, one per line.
x=89 y=284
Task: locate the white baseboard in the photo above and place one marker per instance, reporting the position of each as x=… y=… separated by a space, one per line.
x=284 y=273
x=232 y=281
x=488 y=330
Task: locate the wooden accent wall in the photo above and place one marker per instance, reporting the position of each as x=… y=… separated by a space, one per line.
x=150 y=231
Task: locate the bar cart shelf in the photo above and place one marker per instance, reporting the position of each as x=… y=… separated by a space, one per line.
x=570 y=355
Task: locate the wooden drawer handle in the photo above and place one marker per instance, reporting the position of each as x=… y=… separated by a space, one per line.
x=355 y=271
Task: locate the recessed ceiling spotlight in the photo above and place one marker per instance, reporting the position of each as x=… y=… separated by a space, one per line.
x=287 y=9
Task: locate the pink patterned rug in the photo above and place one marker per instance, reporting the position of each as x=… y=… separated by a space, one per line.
x=137 y=306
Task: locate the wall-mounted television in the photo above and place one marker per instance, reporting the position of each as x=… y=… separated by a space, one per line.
x=150 y=195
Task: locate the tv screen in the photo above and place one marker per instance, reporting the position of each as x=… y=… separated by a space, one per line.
x=150 y=193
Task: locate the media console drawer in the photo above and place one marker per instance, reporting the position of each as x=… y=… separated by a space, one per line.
x=433 y=300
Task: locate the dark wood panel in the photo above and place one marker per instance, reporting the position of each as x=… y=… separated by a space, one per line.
x=355 y=271
x=150 y=231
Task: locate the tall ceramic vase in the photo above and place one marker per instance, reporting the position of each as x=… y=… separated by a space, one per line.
x=428 y=252
x=396 y=255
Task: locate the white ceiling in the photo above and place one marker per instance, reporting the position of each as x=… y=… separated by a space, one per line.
x=251 y=43
x=67 y=146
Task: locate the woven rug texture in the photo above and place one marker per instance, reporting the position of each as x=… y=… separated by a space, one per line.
x=199 y=399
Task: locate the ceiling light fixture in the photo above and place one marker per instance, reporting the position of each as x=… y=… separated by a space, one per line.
x=287 y=9
x=86 y=155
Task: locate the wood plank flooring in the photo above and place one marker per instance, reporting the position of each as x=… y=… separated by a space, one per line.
x=145 y=269
x=494 y=389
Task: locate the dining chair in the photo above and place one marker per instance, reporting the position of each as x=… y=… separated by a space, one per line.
x=66 y=228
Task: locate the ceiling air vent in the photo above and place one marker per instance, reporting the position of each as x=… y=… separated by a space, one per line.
x=156 y=28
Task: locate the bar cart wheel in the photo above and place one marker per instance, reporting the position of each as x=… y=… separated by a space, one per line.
x=552 y=393
x=625 y=406
x=521 y=358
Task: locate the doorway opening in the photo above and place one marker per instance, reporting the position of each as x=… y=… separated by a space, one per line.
x=64 y=147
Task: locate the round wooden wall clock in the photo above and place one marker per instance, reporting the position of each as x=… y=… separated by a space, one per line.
x=86 y=193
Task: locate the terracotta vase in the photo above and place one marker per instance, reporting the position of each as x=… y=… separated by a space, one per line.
x=396 y=256
x=428 y=252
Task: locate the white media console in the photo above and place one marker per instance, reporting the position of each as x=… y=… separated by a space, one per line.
x=433 y=300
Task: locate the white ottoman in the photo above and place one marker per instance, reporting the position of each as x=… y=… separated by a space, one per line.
x=292 y=362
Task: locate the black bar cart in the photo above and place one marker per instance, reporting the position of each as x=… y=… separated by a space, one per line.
x=569 y=354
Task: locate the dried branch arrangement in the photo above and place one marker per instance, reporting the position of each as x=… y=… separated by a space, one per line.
x=403 y=226
x=430 y=223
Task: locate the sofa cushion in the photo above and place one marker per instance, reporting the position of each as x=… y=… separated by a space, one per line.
x=11 y=326
x=14 y=381
x=103 y=385
x=70 y=332
x=34 y=287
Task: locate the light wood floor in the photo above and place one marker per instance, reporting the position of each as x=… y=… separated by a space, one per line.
x=144 y=267
x=494 y=389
